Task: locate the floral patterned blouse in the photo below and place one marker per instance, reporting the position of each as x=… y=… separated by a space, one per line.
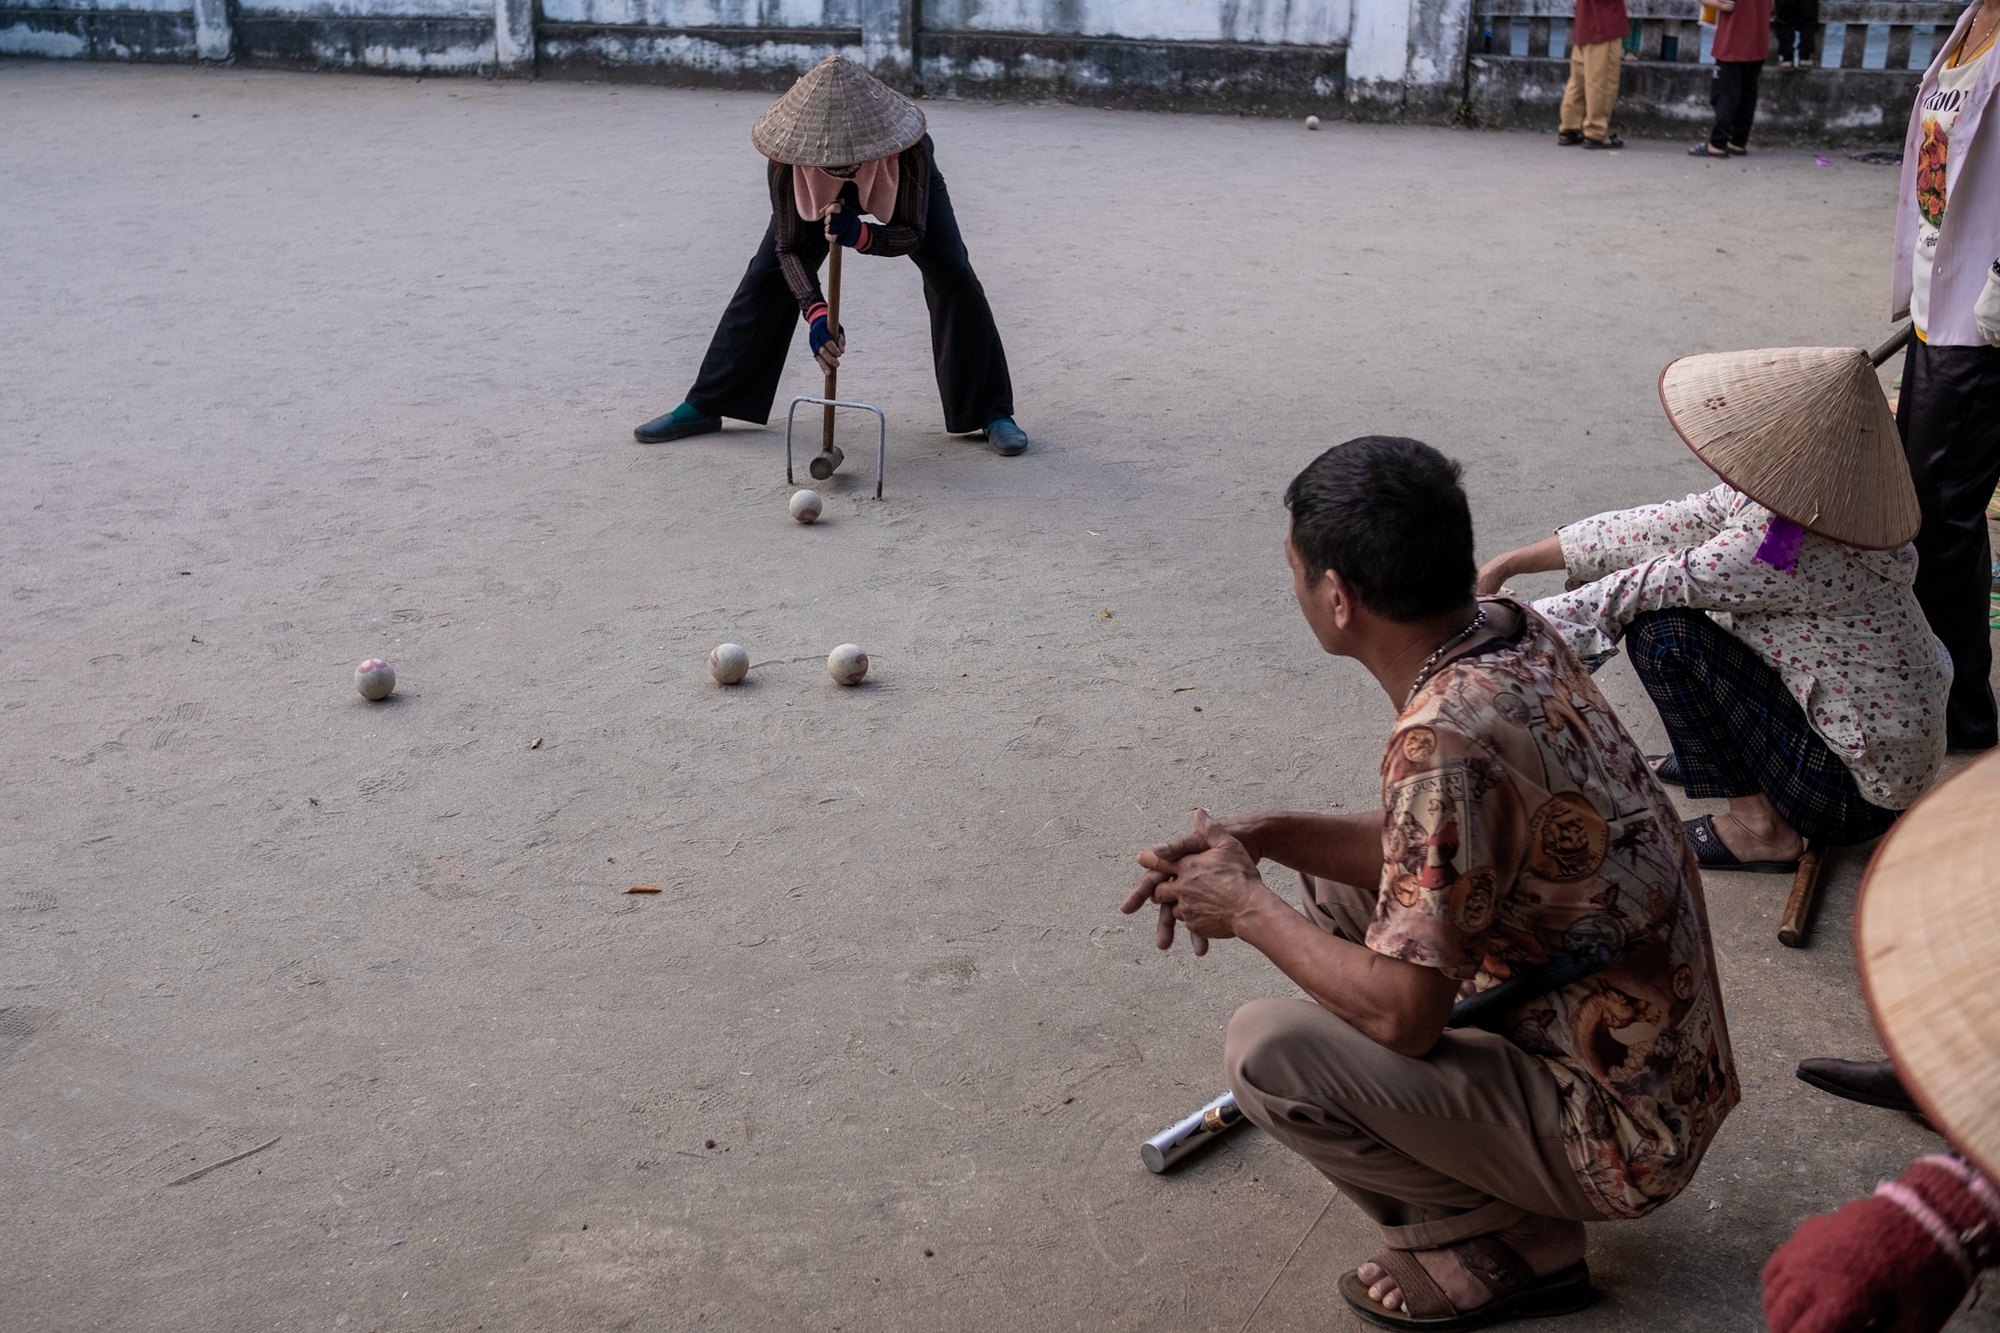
x=1519 y=823
x=1843 y=629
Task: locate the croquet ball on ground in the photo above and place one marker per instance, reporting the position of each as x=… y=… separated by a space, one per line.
x=728 y=663
x=847 y=664
x=1312 y=122
x=807 y=506
x=375 y=679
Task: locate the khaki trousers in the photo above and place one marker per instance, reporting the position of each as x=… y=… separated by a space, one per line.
x=1466 y=1141
x=1593 y=88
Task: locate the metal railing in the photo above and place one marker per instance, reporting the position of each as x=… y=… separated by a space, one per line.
x=1853 y=34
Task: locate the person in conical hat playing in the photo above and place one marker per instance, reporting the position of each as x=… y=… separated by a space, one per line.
x=844 y=148
x=1819 y=711
x=1925 y=933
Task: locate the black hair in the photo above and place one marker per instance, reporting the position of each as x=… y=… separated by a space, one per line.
x=1389 y=516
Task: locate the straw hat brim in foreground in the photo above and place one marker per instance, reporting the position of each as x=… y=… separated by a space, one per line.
x=837 y=115
x=1803 y=431
x=1926 y=931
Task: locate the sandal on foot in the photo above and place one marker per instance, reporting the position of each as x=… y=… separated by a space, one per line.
x=1517 y=1292
x=1703 y=149
x=1667 y=768
x=1712 y=853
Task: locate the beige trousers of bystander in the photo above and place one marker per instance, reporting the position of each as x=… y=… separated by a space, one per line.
x=1593 y=88
x=1466 y=1141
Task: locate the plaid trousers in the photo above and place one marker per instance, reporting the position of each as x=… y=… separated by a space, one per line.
x=1738 y=731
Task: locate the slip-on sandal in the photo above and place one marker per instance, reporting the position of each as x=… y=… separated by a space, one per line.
x=1703 y=149
x=1517 y=1292
x=1667 y=768
x=1712 y=853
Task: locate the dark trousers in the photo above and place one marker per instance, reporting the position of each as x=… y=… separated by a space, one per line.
x=1949 y=415
x=1796 y=23
x=1734 y=97
x=1738 y=731
x=739 y=376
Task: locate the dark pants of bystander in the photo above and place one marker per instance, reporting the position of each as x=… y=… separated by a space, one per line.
x=1734 y=97
x=1949 y=414
x=1738 y=731
x=1796 y=23
x=739 y=376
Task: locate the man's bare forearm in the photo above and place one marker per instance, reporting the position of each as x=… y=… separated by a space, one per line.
x=1396 y=1004
x=1347 y=848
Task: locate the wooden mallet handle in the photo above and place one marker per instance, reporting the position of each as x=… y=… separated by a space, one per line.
x=833 y=331
x=1799 y=906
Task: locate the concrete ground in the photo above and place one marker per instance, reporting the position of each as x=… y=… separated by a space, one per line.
x=301 y=369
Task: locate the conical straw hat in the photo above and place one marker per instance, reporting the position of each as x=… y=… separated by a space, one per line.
x=837 y=115
x=1803 y=431
x=1926 y=934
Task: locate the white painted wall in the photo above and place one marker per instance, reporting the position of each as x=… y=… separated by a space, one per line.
x=1306 y=22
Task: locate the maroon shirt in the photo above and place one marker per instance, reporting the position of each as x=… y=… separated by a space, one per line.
x=1744 y=33
x=1601 y=21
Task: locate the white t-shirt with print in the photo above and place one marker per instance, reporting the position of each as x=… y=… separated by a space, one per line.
x=1941 y=106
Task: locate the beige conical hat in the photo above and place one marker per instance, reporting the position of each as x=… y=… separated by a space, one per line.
x=837 y=115
x=1803 y=431
x=1926 y=932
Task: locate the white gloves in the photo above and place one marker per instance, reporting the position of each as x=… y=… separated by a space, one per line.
x=1986 y=310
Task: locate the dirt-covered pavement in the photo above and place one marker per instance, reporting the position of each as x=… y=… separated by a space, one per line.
x=304 y=369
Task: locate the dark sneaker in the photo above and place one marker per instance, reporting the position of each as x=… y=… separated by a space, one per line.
x=661 y=429
x=1612 y=141
x=1007 y=438
x=1569 y=138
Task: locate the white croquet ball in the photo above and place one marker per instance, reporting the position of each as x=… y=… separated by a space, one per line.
x=728 y=663
x=1312 y=122
x=375 y=679
x=847 y=664
x=807 y=506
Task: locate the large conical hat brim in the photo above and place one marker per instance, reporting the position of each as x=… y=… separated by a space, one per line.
x=1803 y=431
x=837 y=115
x=1926 y=934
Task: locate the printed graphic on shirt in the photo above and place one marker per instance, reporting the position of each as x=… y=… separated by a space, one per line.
x=1930 y=167
x=1520 y=823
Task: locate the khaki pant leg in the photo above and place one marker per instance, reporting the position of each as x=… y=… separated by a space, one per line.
x=1604 y=63
x=1573 y=92
x=1336 y=908
x=1466 y=1141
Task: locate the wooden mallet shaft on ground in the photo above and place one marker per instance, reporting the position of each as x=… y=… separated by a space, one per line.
x=1799 y=906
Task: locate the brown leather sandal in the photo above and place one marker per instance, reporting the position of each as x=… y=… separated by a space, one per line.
x=1517 y=1292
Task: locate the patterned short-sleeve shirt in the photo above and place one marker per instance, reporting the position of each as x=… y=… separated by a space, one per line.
x=1520 y=822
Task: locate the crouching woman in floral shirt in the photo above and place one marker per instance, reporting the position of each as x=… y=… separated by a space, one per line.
x=1818 y=708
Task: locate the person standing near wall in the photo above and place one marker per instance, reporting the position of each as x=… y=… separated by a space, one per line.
x=1797 y=25
x=1947 y=280
x=1742 y=41
x=1595 y=36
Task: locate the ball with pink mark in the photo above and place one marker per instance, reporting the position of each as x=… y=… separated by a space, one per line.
x=807 y=506
x=375 y=679
x=728 y=663
x=847 y=664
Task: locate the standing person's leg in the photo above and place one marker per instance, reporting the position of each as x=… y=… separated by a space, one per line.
x=1569 y=130
x=1746 y=105
x=1808 y=20
x=1723 y=94
x=1785 y=29
x=965 y=343
x=1713 y=691
x=739 y=376
x=1603 y=67
x=1949 y=415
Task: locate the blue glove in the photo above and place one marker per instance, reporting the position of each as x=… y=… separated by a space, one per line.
x=848 y=229
x=816 y=331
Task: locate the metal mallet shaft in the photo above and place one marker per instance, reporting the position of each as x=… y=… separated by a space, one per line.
x=1203 y=1127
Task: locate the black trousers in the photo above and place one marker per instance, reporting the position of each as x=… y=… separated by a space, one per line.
x=1738 y=731
x=1949 y=415
x=1796 y=23
x=1734 y=97
x=739 y=376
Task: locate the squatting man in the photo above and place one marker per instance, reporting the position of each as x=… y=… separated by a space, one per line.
x=1519 y=823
